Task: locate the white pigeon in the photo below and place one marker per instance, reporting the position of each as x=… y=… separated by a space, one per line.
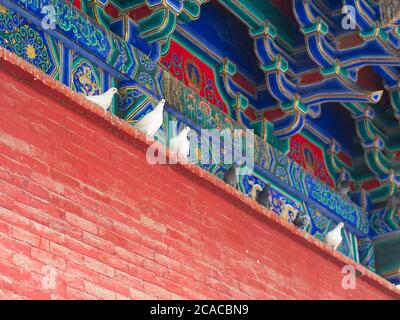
x=152 y=121
x=334 y=237
x=104 y=100
x=180 y=144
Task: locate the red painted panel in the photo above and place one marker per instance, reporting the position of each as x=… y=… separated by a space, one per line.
x=312 y=78
x=77 y=3
x=250 y=113
x=194 y=72
x=350 y=41
x=140 y=12
x=345 y=158
x=368 y=79
x=274 y=114
x=244 y=83
x=112 y=10
x=310 y=157
x=371 y=184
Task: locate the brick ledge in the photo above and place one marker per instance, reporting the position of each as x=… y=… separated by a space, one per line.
x=26 y=72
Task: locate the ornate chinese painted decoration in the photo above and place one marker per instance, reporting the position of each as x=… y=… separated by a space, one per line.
x=133 y=45
x=390 y=10
x=310 y=157
x=194 y=73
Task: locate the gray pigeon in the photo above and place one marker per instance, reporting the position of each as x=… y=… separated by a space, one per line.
x=302 y=220
x=263 y=197
x=230 y=176
x=104 y=100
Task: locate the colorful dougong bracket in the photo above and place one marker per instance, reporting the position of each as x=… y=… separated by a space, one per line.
x=376 y=46
x=238 y=97
x=227 y=70
x=377 y=156
x=145 y=22
x=240 y=106
x=299 y=101
x=379 y=139
x=335 y=163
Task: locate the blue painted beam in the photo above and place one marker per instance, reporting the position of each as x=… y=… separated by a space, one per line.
x=66 y=40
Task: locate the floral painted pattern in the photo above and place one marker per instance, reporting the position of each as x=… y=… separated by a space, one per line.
x=27 y=42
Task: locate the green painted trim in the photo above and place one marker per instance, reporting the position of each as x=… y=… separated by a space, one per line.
x=157 y=26
x=388 y=255
x=319 y=26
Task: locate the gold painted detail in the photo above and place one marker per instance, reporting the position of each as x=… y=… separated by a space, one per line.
x=30 y=51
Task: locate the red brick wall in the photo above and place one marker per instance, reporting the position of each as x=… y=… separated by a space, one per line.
x=76 y=194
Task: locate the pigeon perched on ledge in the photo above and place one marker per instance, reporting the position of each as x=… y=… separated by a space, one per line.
x=152 y=121
x=230 y=176
x=343 y=186
x=263 y=197
x=104 y=100
x=302 y=220
x=334 y=237
x=180 y=144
